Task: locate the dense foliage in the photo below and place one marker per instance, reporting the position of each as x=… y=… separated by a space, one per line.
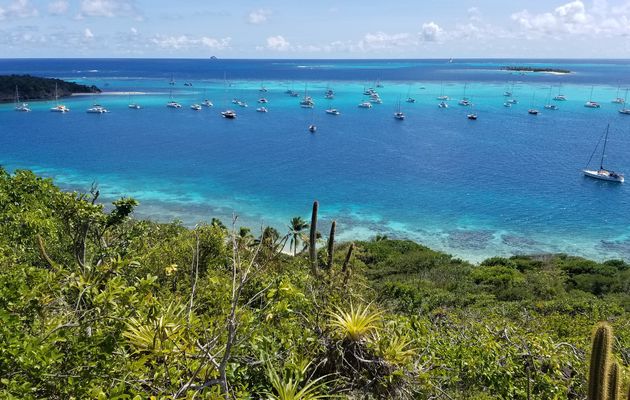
x=95 y=304
x=36 y=88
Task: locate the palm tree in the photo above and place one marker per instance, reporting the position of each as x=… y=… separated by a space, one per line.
x=296 y=228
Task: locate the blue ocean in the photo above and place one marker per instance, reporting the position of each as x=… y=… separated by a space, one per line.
x=508 y=183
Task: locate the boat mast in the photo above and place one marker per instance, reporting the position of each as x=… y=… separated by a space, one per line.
x=601 y=164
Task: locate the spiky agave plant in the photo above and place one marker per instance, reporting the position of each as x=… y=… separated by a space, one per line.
x=356 y=323
x=160 y=335
x=395 y=349
x=292 y=386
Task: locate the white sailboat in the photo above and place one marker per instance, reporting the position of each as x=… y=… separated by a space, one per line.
x=619 y=100
x=60 y=108
x=172 y=103
x=560 y=96
x=228 y=113
x=442 y=96
x=464 y=101
x=602 y=173
x=548 y=105
x=624 y=110
x=590 y=103
x=22 y=107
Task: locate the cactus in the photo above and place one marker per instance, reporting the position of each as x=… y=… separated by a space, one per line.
x=331 y=244
x=344 y=268
x=600 y=362
x=614 y=384
x=312 y=247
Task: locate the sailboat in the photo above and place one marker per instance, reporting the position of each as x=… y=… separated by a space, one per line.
x=399 y=115
x=472 y=115
x=619 y=100
x=172 y=81
x=172 y=103
x=624 y=110
x=464 y=101
x=331 y=110
x=590 y=103
x=23 y=107
x=442 y=96
x=602 y=173
x=133 y=105
x=532 y=110
x=560 y=96
x=548 y=105
x=409 y=98
x=228 y=113
x=312 y=127
x=508 y=91
x=60 y=108
x=307 y=101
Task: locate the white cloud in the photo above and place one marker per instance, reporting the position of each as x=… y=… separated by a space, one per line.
x=133 y=31
x=87 y=34
x=382 y=41
x=259 y=16
x=278 y=43
x=431 y=32
x=571 y=18
x=108 y=8
x=184 y=42
x=474 y=14
x=218 y=44
x=58 y=7
x=19 y=9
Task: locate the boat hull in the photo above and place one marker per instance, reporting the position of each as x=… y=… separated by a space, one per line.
x=603 y=175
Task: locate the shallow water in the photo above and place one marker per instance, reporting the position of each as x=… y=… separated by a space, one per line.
x=507 y=183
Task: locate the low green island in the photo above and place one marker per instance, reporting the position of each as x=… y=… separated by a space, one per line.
x=96 y=304
x=536 y=69
x=33 y=88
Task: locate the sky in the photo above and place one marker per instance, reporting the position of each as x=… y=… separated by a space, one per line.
x=315 y=29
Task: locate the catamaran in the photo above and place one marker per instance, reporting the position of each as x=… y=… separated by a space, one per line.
x=464 y=101
x=60 y=108
x=624 y=110
x=97 y=109
x=590 y=103
x=548 y=105
x=619 y=100
x=23 y=107
x=602 y=173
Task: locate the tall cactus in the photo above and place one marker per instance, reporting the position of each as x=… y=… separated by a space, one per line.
x=312 y=247
x=331 y=244
x=600 y=362
x=614 y=383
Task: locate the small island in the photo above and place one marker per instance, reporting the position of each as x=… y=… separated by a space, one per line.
x=536 y=69
x=37 y=88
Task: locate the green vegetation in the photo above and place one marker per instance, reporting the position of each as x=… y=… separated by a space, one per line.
x=35 y=88
x=97 y=305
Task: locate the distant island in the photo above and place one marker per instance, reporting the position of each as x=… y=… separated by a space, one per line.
x=536 y=69
x=36 y=88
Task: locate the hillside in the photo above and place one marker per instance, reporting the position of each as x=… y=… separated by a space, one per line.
x=35 y=88
x=97 y=304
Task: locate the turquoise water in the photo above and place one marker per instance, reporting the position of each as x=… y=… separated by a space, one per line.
x=505 y=184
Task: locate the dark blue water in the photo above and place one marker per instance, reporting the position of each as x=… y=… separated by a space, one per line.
x=507 y=183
